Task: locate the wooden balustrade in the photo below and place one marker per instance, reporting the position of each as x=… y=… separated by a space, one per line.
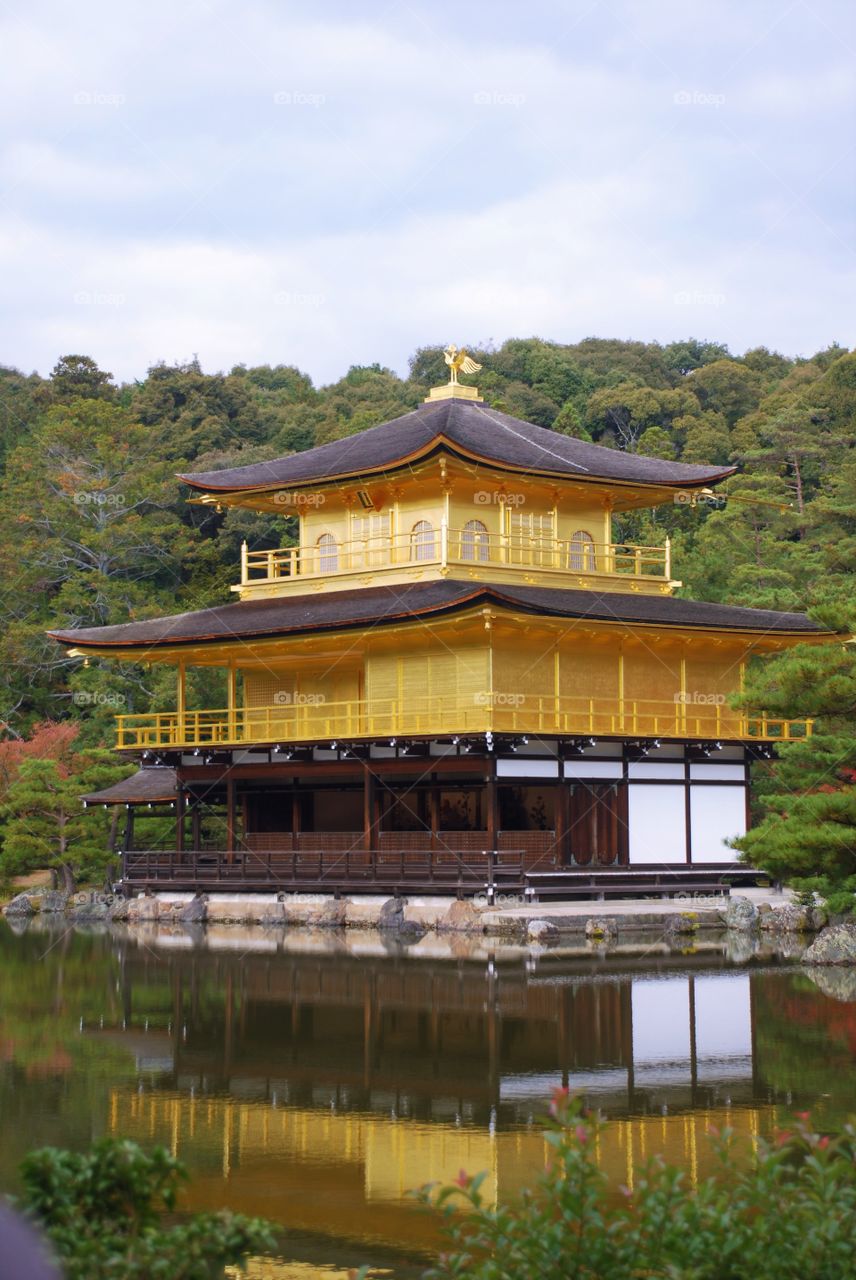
x=439 y=716
x=327 y=870
x=442 y=546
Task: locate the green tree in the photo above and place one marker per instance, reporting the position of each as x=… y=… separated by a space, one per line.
x=793 y=440
x=45 y=824
x=807 y=835
x=570 y=423
x=79 y=376
x=705 y=437
x=22 y=400
x=196 y=412
x=654 y=442
x=727 y=387
x=683 y=357
x=745 y=551
x=91 y=535
x=623 y=413
x=109 y=1213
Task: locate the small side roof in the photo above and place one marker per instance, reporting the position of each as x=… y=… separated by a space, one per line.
x=155 y=785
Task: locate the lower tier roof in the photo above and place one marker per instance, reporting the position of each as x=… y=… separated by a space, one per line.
x=154 y=785
x=373 y=606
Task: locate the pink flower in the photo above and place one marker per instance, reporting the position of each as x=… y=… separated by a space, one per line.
x=582 y=1133
x=560 y=1097
x=463 y=1178
x=823 y=1143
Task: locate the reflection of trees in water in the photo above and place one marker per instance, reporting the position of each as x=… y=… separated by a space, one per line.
x=429 y=1038
x=53 y=1080
x=805 y=1041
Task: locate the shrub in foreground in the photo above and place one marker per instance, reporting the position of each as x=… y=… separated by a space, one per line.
x=785 y=1210
x=103 y=1212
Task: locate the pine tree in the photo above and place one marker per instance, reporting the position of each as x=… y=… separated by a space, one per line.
x=46 y=824
x=807 y=836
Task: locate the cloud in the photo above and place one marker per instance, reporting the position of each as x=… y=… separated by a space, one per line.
x=255 y=185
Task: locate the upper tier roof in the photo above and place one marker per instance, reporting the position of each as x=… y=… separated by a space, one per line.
x=478 y=431
x=367 y=606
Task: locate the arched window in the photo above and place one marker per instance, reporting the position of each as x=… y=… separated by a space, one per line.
x=328 y=554
x=422 y=541
x=474 y=541
x=582 y=557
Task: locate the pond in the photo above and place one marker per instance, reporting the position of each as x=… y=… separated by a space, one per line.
x=315 y=1079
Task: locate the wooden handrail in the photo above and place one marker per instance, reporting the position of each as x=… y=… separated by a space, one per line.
x=459 y=546
x=495 y=710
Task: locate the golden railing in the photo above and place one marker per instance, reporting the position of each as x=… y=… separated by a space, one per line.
x=318 y=721
x=440 y=546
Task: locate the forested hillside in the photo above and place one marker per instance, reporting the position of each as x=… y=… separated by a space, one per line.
x=95 y=528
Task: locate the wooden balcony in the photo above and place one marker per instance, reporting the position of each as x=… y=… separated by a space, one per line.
x=324 y=723
x=464 y=552
x=352 y=869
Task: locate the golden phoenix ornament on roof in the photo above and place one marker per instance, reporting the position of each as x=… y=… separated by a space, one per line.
x=459 y=362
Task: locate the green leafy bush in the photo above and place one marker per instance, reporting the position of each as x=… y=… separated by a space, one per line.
x=103 y=1212
x=783 y=1211
x=838 y=896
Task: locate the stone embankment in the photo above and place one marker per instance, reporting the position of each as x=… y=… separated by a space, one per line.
x=408 y=920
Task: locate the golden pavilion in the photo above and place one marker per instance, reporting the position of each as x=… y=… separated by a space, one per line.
x=454 y=679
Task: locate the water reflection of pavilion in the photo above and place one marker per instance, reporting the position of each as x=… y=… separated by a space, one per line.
x=319 y=1088
x=459 y=1041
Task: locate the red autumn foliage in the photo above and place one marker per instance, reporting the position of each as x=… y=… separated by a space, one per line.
x=51 y=740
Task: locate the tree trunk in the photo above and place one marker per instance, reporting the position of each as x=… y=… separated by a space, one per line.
x=67 y=877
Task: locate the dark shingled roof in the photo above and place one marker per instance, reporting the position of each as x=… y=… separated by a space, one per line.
x=476 y=429
x=156 y=785
x=368 y=606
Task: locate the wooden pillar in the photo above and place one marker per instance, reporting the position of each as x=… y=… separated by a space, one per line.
x=688 y=812
x=622 y=727
x=179 y=817
x=195 y=836
x=295 y=812
x=232 y=702
x=181 y=700
x=434 y=808
x=230 y=818
x=562 y=818
x=369 y=809
x=492 y=815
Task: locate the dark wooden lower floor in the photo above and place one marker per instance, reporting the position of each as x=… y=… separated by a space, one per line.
x=536 y=826
x=500 y=877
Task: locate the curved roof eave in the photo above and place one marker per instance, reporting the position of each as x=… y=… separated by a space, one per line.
x=460 y=426
x=366 y=608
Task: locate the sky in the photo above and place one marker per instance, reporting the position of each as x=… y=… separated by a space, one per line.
x=328 y=184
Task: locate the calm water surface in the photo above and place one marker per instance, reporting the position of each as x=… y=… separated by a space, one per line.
x=316 y=1079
